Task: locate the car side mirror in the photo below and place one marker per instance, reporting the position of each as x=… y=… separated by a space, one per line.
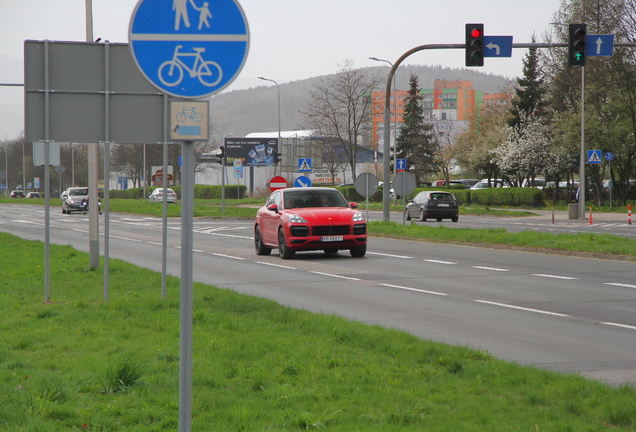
x=273 y=207
x=353 y=205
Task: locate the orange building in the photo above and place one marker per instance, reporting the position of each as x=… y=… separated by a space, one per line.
x=448 y=101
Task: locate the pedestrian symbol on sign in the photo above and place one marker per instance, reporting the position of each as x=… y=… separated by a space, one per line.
x=304 y=165
x=594 y=156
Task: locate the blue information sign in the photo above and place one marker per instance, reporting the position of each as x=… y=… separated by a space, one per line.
x=189 y=48
x=599 y=45
x=498 y=46
x=302 y=181
x=609 y=156
x=401 y=164
x=304 y=165
x=594 y=156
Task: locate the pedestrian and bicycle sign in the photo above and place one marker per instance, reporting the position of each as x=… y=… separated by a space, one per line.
x=189 y=48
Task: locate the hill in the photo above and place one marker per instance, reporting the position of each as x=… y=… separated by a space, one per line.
x=241 y=112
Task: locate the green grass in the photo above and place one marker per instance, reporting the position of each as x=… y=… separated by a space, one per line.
x=592 y=243
x=79 y=363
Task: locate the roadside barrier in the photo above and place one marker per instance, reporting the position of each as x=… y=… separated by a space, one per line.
x=629 y=214
x=591 y=216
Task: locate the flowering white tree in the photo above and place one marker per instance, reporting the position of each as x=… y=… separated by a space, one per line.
x=526 y=152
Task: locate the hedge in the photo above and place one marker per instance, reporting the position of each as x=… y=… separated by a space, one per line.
x=200 y=192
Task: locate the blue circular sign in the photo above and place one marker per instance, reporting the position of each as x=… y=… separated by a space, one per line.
x=609 y=156
x=189 y=48
x=302 y=181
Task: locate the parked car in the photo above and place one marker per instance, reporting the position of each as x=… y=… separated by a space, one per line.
x=481 y=185
x=309 y=219
x=434 y=205
x=17 y=194
x=75 y=199
x=157 y=195
x=539 y=183
x=33 y=195
x=469 y=182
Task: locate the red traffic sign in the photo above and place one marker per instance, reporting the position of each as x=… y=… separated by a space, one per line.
x=277 y=182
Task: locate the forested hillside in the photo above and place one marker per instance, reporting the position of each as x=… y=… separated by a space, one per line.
x=241 y=112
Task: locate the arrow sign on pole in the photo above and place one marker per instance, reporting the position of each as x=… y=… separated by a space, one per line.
x=498 y=46
x=599 y=45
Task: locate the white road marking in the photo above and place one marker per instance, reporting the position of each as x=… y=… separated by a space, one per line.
x=619 y=325
x=276 y=265
x=227 y=256
x=414 y=289
x=521 y=308
x=439 y=262
x=389 y=255
x=490 y=268
x=554 y=276
x=620 y=285
x=334 y=275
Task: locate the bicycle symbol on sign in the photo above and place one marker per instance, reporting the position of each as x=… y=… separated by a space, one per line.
x=189 y=113
x=171 y=71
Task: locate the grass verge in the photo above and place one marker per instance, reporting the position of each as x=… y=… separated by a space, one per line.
x=79 y=363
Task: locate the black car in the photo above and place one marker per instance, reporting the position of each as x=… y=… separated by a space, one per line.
x=433 y=205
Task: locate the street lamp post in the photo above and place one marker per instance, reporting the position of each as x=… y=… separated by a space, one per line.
x=394 y=118
x=280 y=144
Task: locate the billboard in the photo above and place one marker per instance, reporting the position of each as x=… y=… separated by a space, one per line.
x=254 y=152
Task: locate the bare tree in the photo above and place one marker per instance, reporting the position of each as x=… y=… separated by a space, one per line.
x=340 y=108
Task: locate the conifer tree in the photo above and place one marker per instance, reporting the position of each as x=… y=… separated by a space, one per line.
x=415 y=142
x=530 y=94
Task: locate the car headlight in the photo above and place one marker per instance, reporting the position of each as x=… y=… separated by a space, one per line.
x=294 y=218
x=357 y=217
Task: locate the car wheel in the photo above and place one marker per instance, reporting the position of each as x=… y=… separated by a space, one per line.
x=63 y=210
x=358 y=252
x=455 y=218
x=331 y=251
x=258 y=243
x=422 y=215
x=438 y=219
x=284 y=251
x=407 y=216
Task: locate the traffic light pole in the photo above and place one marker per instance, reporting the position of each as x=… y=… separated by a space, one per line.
x=386 y=210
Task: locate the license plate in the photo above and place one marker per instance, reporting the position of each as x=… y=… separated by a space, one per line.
x=331 y=238
x=443 y=205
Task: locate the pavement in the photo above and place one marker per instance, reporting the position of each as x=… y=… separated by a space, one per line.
x=563 y=216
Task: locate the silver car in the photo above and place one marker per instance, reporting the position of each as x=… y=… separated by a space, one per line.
x=157 y=196
x=72 y=199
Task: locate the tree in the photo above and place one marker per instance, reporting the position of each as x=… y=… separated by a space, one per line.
x=527 y=151
x=339 y=109
x=415 y=142
x=530 y=93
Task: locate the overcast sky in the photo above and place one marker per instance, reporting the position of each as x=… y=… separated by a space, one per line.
x=297 y=39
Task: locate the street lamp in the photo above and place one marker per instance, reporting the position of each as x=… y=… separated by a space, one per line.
x=280 y=144
x=394 y=118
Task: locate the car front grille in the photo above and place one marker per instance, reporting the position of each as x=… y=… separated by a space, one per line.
x=299 y=231
x=360 y=229
x=331 y=230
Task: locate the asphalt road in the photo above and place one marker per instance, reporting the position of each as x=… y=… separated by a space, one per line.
x=568 y=314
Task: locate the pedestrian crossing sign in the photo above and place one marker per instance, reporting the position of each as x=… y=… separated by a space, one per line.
x=594 y=156
x=304 y=165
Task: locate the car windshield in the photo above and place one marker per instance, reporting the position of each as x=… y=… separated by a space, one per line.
x=78 y=192
x=441 y=197
x=309 y=198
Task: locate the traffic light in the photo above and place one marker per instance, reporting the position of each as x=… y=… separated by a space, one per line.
x=576 y=44
x=212 y=158
x=277 y=157
x=474 y=44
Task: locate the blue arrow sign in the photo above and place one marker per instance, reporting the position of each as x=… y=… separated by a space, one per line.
x=498 y=46
x=599 y=45
x=302 y=181
x=189 y=48
x=401 y=164
x=594 y=156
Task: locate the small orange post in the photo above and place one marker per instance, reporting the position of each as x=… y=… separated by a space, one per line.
x=591 y=216
x=629 y=214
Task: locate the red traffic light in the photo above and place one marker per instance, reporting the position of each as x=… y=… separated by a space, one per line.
x=476 y=32
x=474 y=45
